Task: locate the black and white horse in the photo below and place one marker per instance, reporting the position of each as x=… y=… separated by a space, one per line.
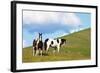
x=38 y=45
x=54 y=43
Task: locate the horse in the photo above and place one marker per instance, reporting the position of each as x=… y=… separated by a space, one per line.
x=38 y=46
x=54 y=43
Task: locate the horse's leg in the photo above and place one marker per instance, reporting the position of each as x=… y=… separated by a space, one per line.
x=37 y=52
x=33 y=51
x=48 y=47
x=41 y=52
x=54 y=50
x=58 y=48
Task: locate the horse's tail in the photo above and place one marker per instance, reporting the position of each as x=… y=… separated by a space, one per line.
x=45 y=44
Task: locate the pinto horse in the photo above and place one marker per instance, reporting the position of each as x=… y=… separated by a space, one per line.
x=38 y=45
x=54 y=43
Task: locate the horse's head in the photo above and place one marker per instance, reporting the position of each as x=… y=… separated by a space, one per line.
x=63 y=41
x=40 y=36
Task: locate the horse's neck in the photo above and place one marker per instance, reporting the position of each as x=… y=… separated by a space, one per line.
x=40 y=38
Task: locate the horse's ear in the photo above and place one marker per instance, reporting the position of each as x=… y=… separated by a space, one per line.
x=40 y=33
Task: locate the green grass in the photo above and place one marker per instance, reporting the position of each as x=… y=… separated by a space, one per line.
x=77 y=48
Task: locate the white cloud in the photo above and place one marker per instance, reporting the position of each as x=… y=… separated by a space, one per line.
x=39 y=17
x=71 y=19
x=53 y=17
x=74 y=30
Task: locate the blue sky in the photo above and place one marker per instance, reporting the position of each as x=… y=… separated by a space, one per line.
x=52 y=24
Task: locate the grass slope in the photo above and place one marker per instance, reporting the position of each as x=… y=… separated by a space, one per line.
x=77 y=48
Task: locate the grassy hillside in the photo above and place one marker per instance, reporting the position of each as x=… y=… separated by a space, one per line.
x=77 y=48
